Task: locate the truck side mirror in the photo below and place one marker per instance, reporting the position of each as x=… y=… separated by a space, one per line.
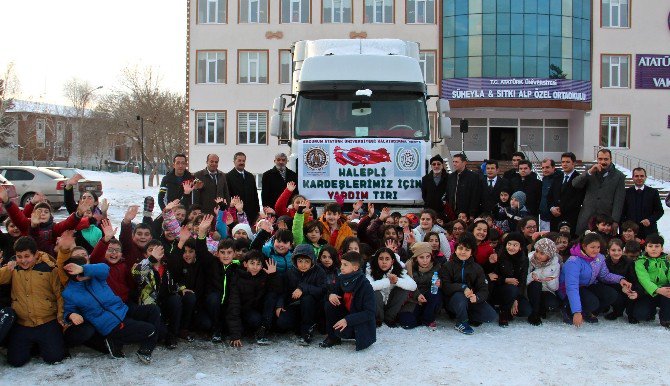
x=279 y=104
x=275 y=124
x=443 y=109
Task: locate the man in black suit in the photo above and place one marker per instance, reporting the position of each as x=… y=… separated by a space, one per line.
x=493 y=185
x=529 y=184
x=642 y=204
x=512 y=175
x=274 y=181
x=213 y=185
x=463 y=188
x=434 y=185
x=564 y=199
x=243 y=184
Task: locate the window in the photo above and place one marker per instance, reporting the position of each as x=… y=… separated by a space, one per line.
x=615 y=71
x=212 y=11
x=614 y=130
x=336 y=11
x=18 y=175
x=60 y=133
x=420 y=12
x=379 y=11
x=40 y=132
x=211 y=67
x=295 y=11
x=285 y=66
x=615 y=14
x=285 y=132
x=253 y=67
x=253 y=11
x=211 y=128
x=252 y=128
x=427 y=62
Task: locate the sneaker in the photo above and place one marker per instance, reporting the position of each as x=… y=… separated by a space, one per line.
x=148 y=206
x=306 y=338
x=114 y=350
x=330 y=342
x=475 y=323
x=216 y=337
x=432 y=326
x=535 y=319
x=464 y=328
x=261 y=336
x=503 y=319
x=591 y=319
x=144 y=357
x=665 y=323
x=170 y=342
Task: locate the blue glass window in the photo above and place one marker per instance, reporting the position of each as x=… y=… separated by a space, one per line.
x=461 y=67
x=503 y=43
x=448 y=49
x=489 y=66
x=555 y=25
x=462 y=7
x=576 y=9
x=543 y=24
x=502 y=64
x=577 y=28
x=530 y=45
x=530 y=66
x=448 y=9
x=448 y=67
x=503 y=6
x=530 y=24
x=576 y=69
x=517 y=23
x=516 y=45
x=517 y=6
x=461 y=46
x=461 y=25
x=517 y=66
x=489 y=45
x=542 y=67
x=503 y=23
x=543 y=7
x=586 y=49
x=530 y=6
x=555 y=47
x=586 y=9
x=586 y=30
x=489 y=23
x=586 y=70
x=489 y=6
x=577 y=49
x=449 y=27
x=543 y=46
x=555 y=7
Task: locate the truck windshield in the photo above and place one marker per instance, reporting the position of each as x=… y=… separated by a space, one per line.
x=344 y=114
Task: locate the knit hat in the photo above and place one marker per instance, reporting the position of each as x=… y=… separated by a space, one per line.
x=304 y=250
x=515 y=236
x=521 y=197
x=420 y=248
x=246 y=228
x=437 y=157
x=565 y=224
x=44 y=205
x=546 y=246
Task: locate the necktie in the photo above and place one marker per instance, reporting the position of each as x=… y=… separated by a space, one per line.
x=283 y=174
x=490 y=183
x=242 y=175
x=565 y=179
x=213 y=177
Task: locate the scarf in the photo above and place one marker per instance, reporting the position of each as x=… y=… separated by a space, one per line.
x=348 y=281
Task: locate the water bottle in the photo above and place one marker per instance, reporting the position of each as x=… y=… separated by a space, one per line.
x=433 y=284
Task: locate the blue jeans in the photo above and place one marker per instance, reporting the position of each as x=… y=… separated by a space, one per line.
x=423 y=313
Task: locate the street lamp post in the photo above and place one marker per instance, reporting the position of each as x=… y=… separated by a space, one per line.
x=141 y=119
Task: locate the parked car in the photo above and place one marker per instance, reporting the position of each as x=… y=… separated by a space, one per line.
x=11 y=192
x=84 y=185
x=29 y=180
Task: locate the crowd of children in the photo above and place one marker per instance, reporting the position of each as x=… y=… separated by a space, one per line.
x=188 y=274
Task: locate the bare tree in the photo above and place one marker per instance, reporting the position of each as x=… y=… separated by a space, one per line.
x=89 y=141
x=163 y=112
x=9 y=87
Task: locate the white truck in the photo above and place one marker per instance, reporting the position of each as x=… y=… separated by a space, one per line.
x=359 y=120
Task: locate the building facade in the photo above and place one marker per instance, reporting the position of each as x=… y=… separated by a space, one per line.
x=238 y=61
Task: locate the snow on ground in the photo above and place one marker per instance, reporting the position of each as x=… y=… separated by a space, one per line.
x=553 y=354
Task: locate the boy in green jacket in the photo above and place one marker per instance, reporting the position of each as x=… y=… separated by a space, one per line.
x=653 y=273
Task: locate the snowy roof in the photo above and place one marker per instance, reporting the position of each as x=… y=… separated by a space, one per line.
x=45 y=108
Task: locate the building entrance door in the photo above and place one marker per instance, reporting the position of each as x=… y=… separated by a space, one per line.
x=502 y=143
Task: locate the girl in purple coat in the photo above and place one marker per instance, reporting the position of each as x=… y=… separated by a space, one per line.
x=584 y=278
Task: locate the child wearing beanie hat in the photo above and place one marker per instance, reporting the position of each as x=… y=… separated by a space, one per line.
x=517 y=210
x=422 y=305
x=543 y=280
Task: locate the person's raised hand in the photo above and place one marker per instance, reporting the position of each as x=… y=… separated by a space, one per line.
x=72 y=181
x=171 y=205
x=104 y=205
x=188 y=186
x=73 y=269
x=205 y=224
x=3 y=195
x=131 y=213
x=107 y=229
x=272 y=267
x=371 y=209
x=421 y=299
x=37 y=198
x=65 y=242
x=239 y=205
x=290 y=186
x=35 y=219
x=357 y=205
x=185 y=234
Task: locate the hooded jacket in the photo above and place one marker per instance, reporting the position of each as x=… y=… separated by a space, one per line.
x=94 y=300
x=582 y=271
x=312 y=282
x=543 y=270
x=342 y=232
x=361 y=315
x=512 y=266
x=456 y=275
x=36 y=292
x=653 y=272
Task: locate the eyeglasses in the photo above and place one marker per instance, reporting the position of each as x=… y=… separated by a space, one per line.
x=531 y=226
x=113 y=250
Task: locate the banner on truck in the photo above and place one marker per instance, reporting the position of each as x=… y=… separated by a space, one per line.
x=368 y=169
